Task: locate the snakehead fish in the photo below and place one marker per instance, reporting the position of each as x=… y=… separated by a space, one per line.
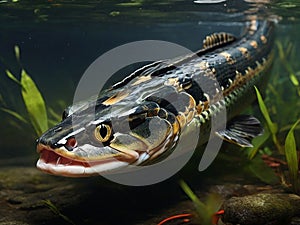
x=140 y=119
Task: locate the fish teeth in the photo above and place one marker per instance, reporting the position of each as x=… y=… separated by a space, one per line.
x=58 y=161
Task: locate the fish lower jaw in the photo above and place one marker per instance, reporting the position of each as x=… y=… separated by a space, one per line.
x=62 y=170
x=55 y=164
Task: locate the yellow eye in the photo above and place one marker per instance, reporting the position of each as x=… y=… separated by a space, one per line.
x=103 y=132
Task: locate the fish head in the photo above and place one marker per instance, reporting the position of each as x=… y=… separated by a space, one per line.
x=98 y=138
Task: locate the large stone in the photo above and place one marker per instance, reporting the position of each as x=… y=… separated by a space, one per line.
x=261 y=209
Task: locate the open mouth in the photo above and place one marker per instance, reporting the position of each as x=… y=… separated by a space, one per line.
x=51 y=157
x=51 y=161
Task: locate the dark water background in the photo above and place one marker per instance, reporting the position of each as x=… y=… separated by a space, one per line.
x=60 y=39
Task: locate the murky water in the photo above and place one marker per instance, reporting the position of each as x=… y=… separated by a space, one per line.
x=60 y=39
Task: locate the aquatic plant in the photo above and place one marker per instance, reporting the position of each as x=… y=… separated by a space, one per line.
x=56 y=211
x=291 y=155
x=34 y=102
x=283 y=92
x=279 y=109
x=37 y=115
x=207 y=210
x=289 y=149
x=272 y=127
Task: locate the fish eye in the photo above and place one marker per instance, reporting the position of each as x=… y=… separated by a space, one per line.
x=103 y=132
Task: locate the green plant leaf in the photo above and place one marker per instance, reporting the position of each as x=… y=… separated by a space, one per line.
x=12 y=77
x=56 y=117
x=56 y=211
x=191 y=195
x=204 y=211
x=257 y=143
x=15 y=114
x=213 y=203
x=292 y=157
x=294 y=79
x=17 y=52
x=258 y=168
x=34 y=103
x=272 y=126
x=2 y=100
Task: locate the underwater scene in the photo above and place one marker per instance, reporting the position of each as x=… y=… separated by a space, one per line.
x=149 y=112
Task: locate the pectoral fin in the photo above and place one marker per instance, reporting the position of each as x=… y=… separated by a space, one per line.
x=241 y=130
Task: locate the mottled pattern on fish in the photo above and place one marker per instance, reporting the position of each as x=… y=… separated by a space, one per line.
x=116 y=131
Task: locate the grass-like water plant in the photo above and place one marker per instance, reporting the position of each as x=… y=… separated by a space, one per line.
x=280 y=109
x=289 y=149
x=206 y=211
x=273 y=127
x=37 y=111
x=291 y=155
x=56 y=211
x=34 y=103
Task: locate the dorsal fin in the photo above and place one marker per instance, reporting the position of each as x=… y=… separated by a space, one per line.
x=216 y=39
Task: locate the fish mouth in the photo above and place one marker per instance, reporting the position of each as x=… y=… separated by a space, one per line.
x=62 y=163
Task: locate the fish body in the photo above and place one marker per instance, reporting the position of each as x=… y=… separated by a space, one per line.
x=140 y=119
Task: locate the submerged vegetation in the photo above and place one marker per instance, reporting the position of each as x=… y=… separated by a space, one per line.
x=36 y=110
x=289 y=148
x=206 y=211
x=48 y=203
x=284 y=110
